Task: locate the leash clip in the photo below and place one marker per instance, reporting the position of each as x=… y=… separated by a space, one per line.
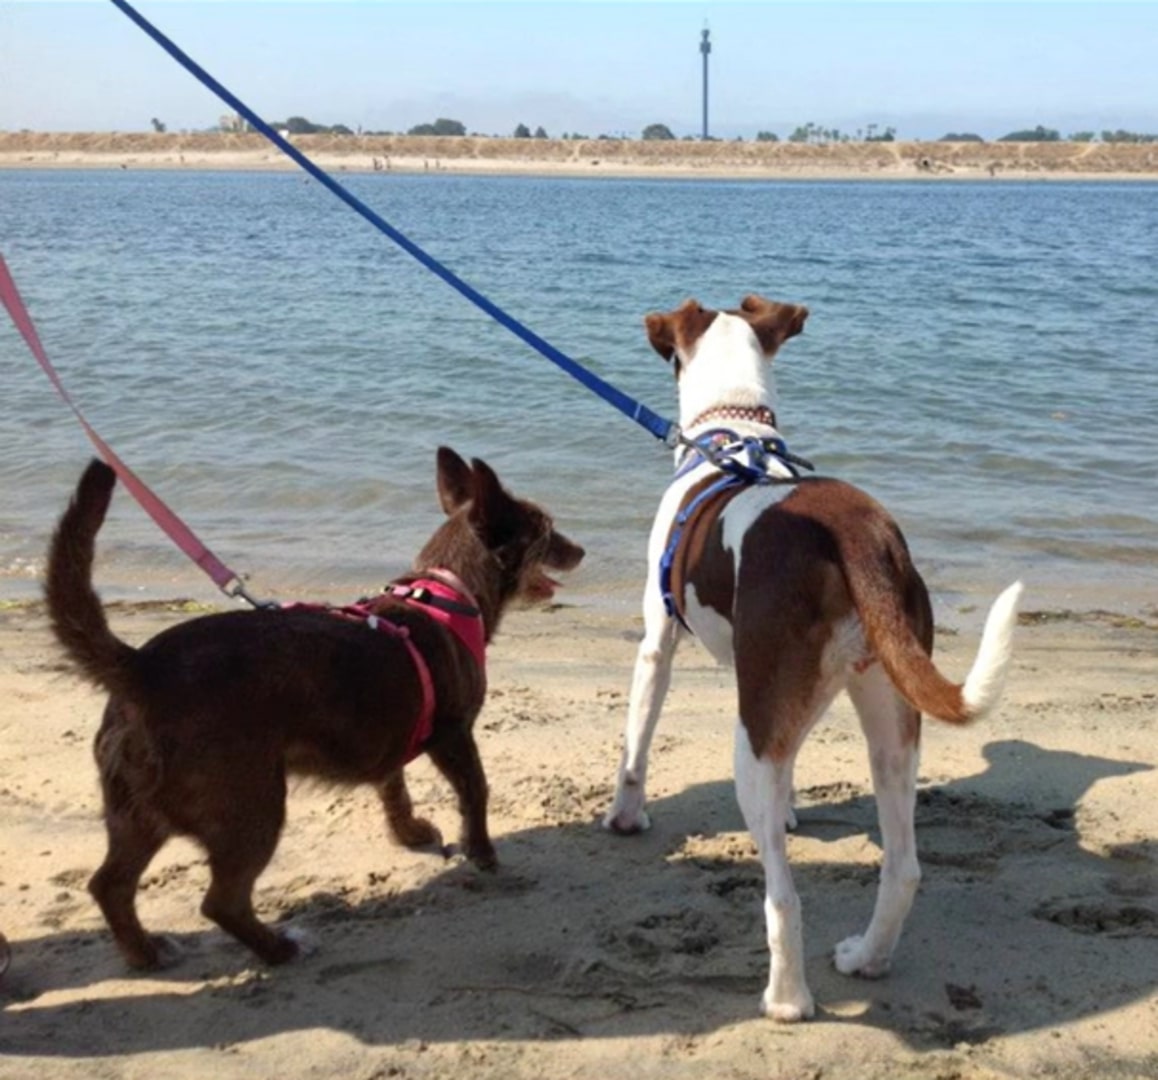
x=235 y=589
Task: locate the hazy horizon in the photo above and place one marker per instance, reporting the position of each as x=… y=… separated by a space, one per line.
x=924 y=68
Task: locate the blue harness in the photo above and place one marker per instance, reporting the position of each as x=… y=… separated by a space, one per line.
x=743 y=461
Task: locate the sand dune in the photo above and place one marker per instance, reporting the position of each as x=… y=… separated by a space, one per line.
x=586 y=157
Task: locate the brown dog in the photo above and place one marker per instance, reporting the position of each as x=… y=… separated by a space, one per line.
x=205 y=721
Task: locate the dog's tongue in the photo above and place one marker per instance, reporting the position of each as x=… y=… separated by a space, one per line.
x=543 y=586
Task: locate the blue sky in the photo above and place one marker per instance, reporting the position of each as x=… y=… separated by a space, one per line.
x=595 y=67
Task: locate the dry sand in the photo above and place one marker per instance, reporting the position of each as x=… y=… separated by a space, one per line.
x=587 y=157
x=1032 y=949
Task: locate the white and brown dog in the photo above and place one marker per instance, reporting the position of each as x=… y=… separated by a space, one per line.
x=806 y=589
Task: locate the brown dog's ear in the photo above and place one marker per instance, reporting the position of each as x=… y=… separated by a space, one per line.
x=772 y=323
x=490 y=509
x=455 y=480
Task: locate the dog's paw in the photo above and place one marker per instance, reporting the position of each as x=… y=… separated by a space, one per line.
x=304 y=943
x=853 y=958
x=160 y=952
x=788 y=1008
x=484 y=858
x=626 y=822
x=417 y=833
x=790 y=822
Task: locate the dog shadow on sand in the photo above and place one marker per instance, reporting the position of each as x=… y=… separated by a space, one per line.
x=1017 y=927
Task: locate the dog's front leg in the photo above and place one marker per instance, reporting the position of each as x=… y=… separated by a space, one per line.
x=649 y=686
x=457 y=758
x=407 y=830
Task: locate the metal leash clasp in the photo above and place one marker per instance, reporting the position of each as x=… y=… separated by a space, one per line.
x=236 y=590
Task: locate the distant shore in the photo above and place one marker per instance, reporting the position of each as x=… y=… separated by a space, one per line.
x=587 y=157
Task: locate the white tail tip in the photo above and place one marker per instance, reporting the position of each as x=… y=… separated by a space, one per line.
x=986 y=679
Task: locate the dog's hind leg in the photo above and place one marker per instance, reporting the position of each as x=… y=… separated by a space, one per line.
x=408 y=830
x=456 y=757
x=892 y=728
x=133 y=841
x=240 y=844
x=764 y=791
x=649 y=687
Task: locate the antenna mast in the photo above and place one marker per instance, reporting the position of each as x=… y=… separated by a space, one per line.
x=705 y=50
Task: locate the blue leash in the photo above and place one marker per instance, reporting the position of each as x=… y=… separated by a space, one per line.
x=662 y=429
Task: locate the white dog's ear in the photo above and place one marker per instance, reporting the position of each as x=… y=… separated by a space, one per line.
x=681 y=328
x=772 y=323
x=660 y=333
x=455 y=480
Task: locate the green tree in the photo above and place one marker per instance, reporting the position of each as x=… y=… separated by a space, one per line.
x=158 y=127
x=657 y=131
x=1037 y=134
x=1121 y=136
x=961 y=136
x=767 y=136
x=441 y=126
x=541 y=132
x=522 y=132
x=299 y=125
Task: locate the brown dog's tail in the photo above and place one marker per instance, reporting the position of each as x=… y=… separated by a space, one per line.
x=75 y=610
x=911 y=668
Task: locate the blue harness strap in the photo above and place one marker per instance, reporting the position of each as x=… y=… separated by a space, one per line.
x=742 y=460
x=667 y=560
x=662 y=429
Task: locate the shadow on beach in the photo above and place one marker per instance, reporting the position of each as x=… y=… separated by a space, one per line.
x=1018 y=927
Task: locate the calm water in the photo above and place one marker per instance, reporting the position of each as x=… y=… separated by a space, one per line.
x=982 y=357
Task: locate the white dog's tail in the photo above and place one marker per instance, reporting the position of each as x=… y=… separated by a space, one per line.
x=914 y=674
x=986 y=679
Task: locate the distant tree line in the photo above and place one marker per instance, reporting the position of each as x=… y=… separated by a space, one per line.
x=1044 y=134
x=810 y=132
x=817 y=135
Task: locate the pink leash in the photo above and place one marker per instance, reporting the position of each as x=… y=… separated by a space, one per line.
x=169 y=522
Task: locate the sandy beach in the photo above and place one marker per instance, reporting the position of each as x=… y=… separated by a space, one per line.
x=588 y=157
x=1031 y=951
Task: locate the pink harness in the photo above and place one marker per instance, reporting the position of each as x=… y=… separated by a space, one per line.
x=440 y=602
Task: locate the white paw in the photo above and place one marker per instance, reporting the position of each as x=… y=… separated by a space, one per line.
x=852 y=958
x=306 y=942
x=790 y=821
x=627 y=815
x=788 y=1008
x=169 y=951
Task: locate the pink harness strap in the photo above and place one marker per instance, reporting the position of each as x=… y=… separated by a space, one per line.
x=466 y=627
x=462 y=617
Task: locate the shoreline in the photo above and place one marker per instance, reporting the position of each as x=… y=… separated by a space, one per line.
x=622 y=159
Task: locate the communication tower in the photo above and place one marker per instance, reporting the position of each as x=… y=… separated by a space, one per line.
x=705 y=50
